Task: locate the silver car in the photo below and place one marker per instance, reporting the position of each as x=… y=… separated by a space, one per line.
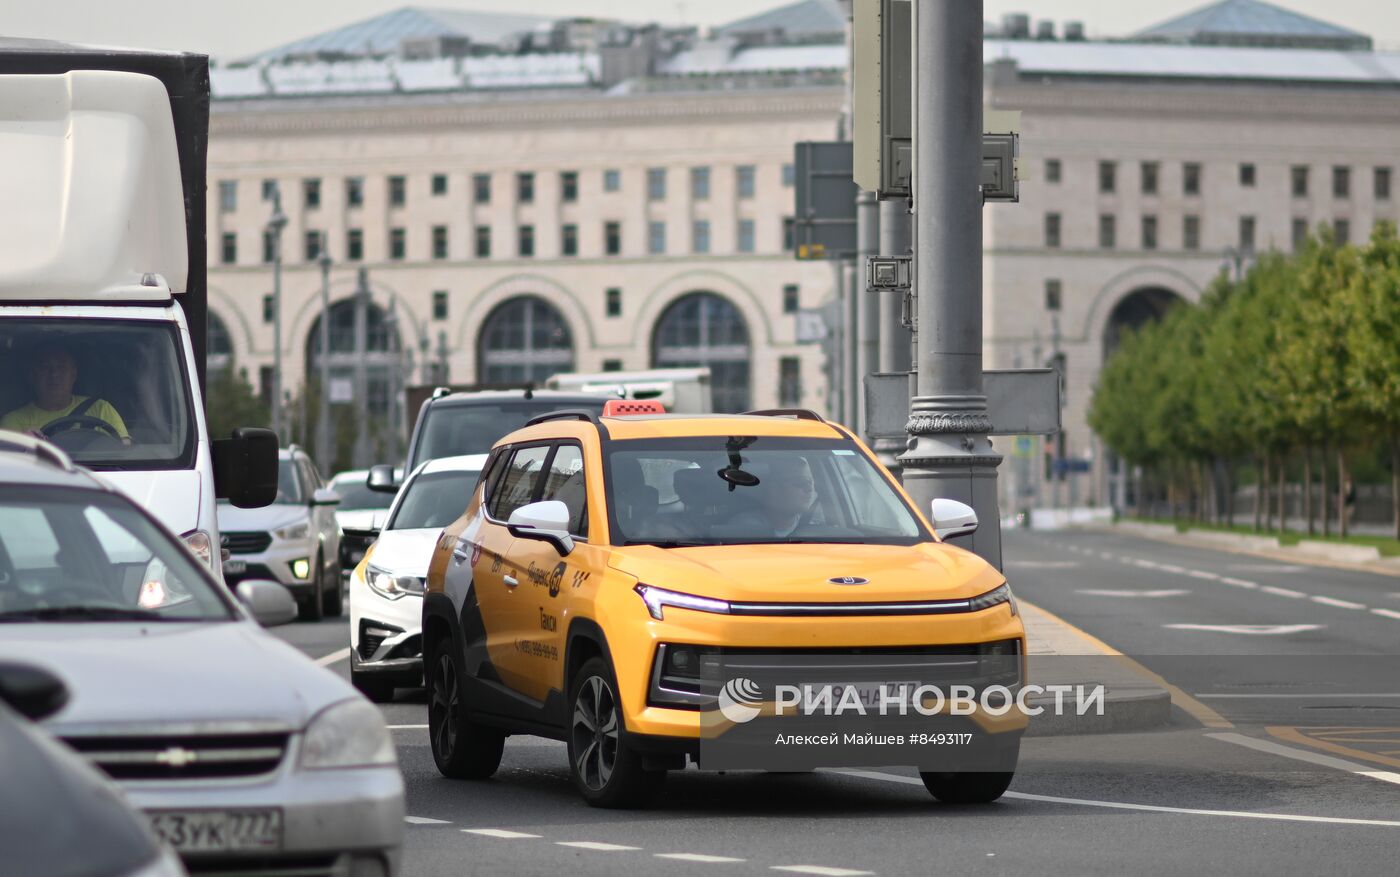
x=243 y=753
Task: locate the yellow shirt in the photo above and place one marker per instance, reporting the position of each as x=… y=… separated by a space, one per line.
x=32 y=417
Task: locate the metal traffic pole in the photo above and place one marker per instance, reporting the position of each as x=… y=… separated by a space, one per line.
x=275 y=224
x=361 y=376
x=868 y=301
x=950 y=454
x=323 y=445
x=895 y=354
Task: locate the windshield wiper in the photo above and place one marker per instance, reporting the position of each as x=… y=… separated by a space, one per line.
x=82 y=613
x=674 y=543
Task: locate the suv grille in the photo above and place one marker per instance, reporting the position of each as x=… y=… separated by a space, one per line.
x=266 y=866
x=247 y=543
x=183 y=757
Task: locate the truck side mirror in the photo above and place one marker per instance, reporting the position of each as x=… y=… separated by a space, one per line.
x=245 y=467
x=381 y=479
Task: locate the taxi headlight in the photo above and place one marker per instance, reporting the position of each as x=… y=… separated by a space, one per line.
x=293 y=532
x=199 y=542
x=388 y=585
x=657 y=599
x=347 y=734
x=995 y=597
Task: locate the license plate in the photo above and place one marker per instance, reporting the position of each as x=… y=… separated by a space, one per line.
x=212 y=831
x=235 y=567
x=869 y=693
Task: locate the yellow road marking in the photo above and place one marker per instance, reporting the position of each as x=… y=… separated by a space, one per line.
x=1296 y=735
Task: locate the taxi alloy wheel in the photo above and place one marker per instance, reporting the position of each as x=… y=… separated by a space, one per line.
x=604 y=766
x=462 y=749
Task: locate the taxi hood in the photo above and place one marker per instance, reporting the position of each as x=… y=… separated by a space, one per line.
x=802 y=573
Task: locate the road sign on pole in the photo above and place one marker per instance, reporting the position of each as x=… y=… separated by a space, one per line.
x=825 y=223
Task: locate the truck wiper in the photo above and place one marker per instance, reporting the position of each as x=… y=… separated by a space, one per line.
x=82 y=613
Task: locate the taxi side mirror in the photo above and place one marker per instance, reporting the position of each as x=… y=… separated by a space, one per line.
x=952 y=518
x=547 y=521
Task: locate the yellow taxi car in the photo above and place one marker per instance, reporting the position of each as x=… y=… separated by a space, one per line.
x=602 y=561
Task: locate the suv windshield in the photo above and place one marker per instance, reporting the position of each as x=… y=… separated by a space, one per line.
x=458 y=429
x=355 y=494
x=434 y=500
x=753 y=489
x=112 y=393
x=77 y=555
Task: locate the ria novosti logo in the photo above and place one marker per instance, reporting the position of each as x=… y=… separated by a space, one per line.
x=739 y=700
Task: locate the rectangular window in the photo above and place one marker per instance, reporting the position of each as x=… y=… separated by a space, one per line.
x=483 y=241
x=1299 y=175
x=656 y=238
x=1108 y=177
x=568 y=186
x=439 y=184
x=1149 y=177
x=612 y=365
x=354 y=245
x=311 y=193
x=1341 y=182
x=656 y=184
x=398 y=191
x=1108 y=231
x=525 y=187
x=568 y=244
x=354 y=191
x=700 y=236
x=269 y=310
x=517 y=485
x=1149 y=232
x=526 y=241
x=612 y=180
x=613 y=299
x=1247 y=233
x=1052 y=295
x=1382 y=184
x=1191 y=178
x=269 y=189
x=439 y=242
x=311 y=245
x=791 y=298
x=481 y=188
x=1341 y=232
x=1191 y=232
x=1247 y=175
x=269 y=247
x=745 y=242
x=228 y=196
x=612 y=238
x=789 y=382
x=789 y=175
x=228 y=248
x=744 y=176
x=1052 y=170
x=700 y=183
x=1052 y=230
x=1300 y=233
x=439 y=305
x=398 y=243
x=789 y=234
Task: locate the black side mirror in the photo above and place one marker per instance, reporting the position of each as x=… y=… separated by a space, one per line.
x=245 y=467
x=31 y=691
x=381 y=479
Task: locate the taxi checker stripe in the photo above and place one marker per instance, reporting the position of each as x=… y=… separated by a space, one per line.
x=927 y=607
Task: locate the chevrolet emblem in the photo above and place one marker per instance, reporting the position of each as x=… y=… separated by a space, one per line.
x=177 y=756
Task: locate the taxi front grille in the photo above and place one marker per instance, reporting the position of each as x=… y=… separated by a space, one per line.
x=183 y=757
x=250 y=542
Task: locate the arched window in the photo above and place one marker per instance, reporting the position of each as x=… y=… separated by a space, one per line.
x=523 y=339
x=381 y=354
x=703 y=329
x=219 y=354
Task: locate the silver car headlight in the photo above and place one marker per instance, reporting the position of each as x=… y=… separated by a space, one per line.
x=390 y=586
x=199 y=542
x=293 y=532
x=347 y=734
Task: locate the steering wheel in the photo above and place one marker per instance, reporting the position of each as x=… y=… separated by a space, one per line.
x=79 y=421
x=80 y=432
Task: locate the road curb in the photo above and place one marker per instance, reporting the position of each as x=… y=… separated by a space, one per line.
x=1125 y=709
x=1262 y=546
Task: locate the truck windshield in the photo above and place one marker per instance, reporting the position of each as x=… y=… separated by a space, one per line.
x=113 y=394
x=458 y=429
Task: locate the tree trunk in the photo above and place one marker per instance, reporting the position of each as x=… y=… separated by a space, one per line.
x=1258 y=491
x=1341 y=492
x=1266 y=481
x=1283 y=493
x=1323 y=494
x=1395 y=482
x=1307 y=489
x=1229 y=495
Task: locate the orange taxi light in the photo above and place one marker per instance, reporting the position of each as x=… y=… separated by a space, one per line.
x=624 y=407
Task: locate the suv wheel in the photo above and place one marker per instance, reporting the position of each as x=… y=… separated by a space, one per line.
x=605 y=768
x=313 y=607
x=967 y=788
x=333 y=597
x=462 y=749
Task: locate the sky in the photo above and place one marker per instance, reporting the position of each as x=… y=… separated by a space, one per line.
x=230 y=29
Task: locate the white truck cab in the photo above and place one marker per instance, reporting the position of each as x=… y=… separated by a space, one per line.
x=99 y=351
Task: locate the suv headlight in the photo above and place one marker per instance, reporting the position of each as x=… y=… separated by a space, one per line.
x=347 y=734
x=657 y=599
x=388 y=585
x=293 y=532
x=199 y=542
x=994 y=597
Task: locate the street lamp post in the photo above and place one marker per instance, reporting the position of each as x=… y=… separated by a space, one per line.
x=323 y=447
x=361 y=373
x=275 y=225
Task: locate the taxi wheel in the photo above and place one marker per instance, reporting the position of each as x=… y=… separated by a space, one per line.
x=462 y=749
x=967 y=788
x=605 y=769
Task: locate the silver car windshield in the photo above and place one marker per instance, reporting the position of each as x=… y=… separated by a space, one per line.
x=753 y=489
x=77 y=555
x=434 y=500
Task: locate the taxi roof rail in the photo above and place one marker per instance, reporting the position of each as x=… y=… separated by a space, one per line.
x=799 y=413
x=565 y=414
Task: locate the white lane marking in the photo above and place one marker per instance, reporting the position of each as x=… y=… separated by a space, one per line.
x=697 y=857
x=334 y=657
x=1333 y=601
x=1147 y=564
x=1045 y=564
x=1154 y=808
x=1251 y=629
x=1202 y=574
x=1108 y=592
x=1300 y=695
x=821 y=869
x=1310 y=757
x=595 y=845
x=1282 y=592
x=1106 y=556
x=1239 y=583
x=1171 y=568
x=1388 y=613
x=423 y=820
x=405 y=727
x=498 y=832
x=1265 y=567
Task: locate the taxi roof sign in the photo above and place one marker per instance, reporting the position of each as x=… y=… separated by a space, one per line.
x=628 y=407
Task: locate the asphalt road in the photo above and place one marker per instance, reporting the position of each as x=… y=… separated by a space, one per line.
x=1279 y=785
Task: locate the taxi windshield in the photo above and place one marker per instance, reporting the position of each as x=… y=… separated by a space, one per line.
x=71 y=555
x=753 y=489
x=434 y=499
x=111 y=393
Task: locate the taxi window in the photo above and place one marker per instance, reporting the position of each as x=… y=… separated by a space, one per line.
x=565 y=483
x=517 y=486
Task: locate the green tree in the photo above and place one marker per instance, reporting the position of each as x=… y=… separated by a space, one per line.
x=1371 y=303
x=230 y=402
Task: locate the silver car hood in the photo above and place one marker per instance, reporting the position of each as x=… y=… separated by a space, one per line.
x=168 y=672
x=405 y=552
x=271 y=517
